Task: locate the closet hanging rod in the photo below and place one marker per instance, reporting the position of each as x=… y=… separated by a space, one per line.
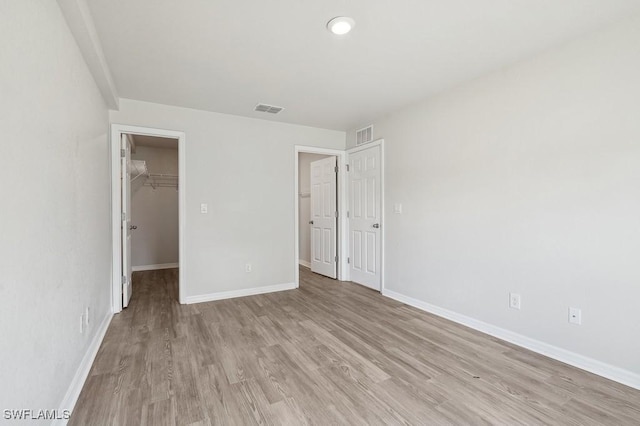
x=161 y=185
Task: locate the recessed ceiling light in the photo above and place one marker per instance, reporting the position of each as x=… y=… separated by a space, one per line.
x=340 y=25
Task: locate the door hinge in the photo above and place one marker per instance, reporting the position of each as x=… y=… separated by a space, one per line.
x=348 y=260
x=347 y=213
x=123 y=216
x=336 y=259
x=124 y=279
x=347 y=167
x=336 y=214
x=123 y=153
x=335 y=169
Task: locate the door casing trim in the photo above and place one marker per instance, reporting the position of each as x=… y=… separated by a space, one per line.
x=116 y=206
x=342 y=247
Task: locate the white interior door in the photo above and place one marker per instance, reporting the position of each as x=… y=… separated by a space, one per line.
x=125 y=176
x=365 y=205
x=323 y=217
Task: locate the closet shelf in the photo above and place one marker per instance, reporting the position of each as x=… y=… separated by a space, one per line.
x=138 y=168
x=140 y=176
x=161 y=180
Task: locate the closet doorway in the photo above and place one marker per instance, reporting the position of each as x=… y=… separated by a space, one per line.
x=318 y=209
x=320 y=220
x=148 y=201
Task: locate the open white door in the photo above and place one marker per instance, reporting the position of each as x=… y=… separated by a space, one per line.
x=323 y=217
x=125 y=175
x=365 y=202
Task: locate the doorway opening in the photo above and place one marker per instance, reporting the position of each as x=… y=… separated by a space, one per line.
x=148 y=218
x=320 y=211
x=318 y=207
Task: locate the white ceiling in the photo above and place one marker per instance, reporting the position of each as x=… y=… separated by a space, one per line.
x=155 y=142
x=227 y=56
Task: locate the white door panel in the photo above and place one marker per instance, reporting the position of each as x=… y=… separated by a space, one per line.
x=323 y=217
x=365 y=209
x=126 y=221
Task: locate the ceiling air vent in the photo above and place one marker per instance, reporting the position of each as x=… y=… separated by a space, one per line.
x=364 y=135
x=268 y=108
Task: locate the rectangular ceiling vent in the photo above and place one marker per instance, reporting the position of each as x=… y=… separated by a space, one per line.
x=364 y=135
x=271 y=109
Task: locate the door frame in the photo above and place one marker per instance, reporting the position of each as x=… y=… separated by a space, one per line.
x=379 y=143
x=116 y=206
x=342 y=246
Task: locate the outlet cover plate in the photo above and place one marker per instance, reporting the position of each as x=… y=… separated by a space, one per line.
x=514 y=301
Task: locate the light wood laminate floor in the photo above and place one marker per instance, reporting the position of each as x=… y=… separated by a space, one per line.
x=326 y=353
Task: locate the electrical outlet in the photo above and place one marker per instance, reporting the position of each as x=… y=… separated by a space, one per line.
x=247 y=267
x=397 y=208
x=514 y=301
x=575 y=316
x=204 y=208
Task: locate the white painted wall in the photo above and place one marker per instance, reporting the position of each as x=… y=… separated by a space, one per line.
x=155 y=212
x=527 y=180
x=244 y=169
x=55 y=244
x=304 y=206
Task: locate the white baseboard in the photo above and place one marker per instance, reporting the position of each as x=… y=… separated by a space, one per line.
x=239 y=293
x=304 y=263
x=154 y=267
x=580 y=361
x=73 y=392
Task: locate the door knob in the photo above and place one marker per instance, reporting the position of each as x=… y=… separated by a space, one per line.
x=376 y=225
x=132 y=227
x=310 y=222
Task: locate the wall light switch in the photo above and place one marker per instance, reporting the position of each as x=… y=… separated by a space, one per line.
x=204 y=208
x=397 y=208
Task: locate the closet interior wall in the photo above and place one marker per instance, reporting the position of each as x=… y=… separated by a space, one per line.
x=155 y=210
